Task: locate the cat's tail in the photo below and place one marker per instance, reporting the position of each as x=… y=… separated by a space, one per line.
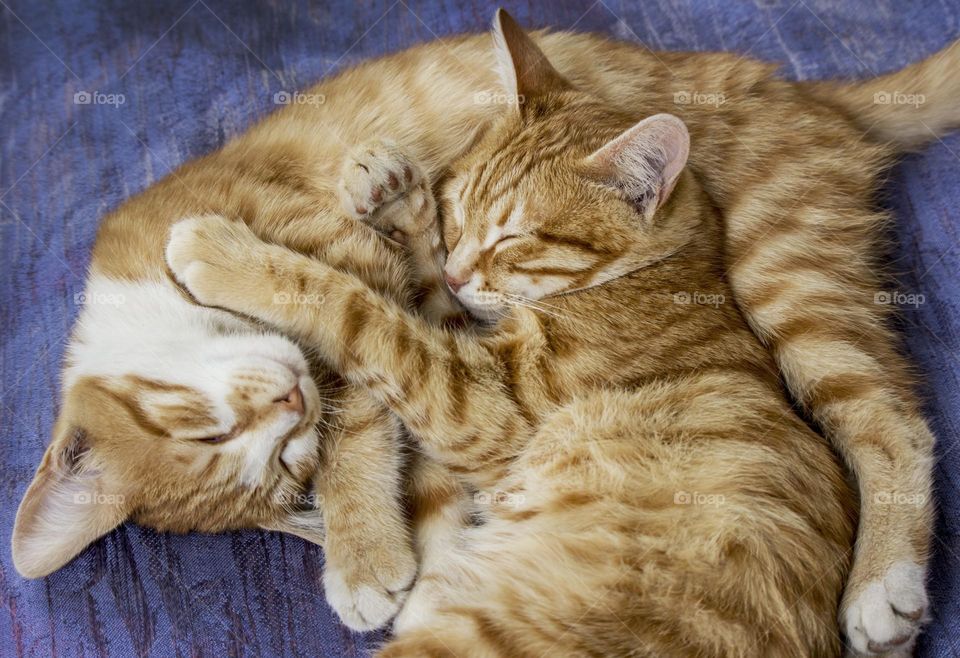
x=909 y=107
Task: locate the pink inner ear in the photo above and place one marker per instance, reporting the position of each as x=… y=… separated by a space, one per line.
x=647 y=159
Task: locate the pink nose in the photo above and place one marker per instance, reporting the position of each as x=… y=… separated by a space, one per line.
x=454 y=283
x=292 y=400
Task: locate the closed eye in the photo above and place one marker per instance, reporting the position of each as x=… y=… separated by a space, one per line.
x=508 y=240
x=216 y=438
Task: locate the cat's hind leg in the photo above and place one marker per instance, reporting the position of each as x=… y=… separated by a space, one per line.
x=440 y=515
x=810 y=292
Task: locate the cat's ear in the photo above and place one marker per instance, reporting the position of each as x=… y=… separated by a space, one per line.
x=523 y=68
x=66 y=507
x=644 y=162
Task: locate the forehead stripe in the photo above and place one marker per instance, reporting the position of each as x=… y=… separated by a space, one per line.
x=504 y=216
x=133 y=409
x=574 y=243
x=472 y=180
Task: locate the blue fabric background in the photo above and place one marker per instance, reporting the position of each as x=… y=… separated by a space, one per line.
x=195 y=72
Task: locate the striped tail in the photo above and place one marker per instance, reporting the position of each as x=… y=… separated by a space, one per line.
x=909 y=107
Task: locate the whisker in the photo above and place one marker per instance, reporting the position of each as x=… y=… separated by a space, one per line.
x=534 y=305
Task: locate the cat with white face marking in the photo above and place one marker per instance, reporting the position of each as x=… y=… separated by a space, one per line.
x=184 y=418
x=587 y=418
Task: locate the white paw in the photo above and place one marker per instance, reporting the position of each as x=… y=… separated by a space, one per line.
x=180 y=246
x=207 y=253
x=374 y=174
x=887 y=615
x=366 y=606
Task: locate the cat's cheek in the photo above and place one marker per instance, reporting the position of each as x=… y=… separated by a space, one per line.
x=534 y=287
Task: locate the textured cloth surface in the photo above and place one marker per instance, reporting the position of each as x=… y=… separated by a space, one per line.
x=193 y=73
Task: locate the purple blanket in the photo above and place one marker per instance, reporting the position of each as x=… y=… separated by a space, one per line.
x=99 y=99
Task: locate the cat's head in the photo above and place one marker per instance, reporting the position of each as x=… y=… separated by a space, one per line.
x=562 y=193
x=175 y=417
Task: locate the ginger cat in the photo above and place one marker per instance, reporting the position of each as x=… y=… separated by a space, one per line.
x=593 y=416
x=281 y=177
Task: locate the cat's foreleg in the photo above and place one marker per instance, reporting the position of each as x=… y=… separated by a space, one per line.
x=454 y=392
x=440 y=515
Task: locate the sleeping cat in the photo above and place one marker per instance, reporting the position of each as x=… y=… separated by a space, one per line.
x=280 y=179
x=656 y=494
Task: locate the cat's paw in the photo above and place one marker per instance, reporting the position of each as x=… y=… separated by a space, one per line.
x=411 y=214
x=374 y=174
x=886 y=616
x=205 y=254
x=366 y=599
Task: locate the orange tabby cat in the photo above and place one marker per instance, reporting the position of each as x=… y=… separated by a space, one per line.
x=281 y=179
x=596 y=413
x=588 y=433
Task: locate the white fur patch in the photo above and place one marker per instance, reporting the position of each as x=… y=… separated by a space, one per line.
x=887 y=614
x=149 y=329
x=361 y=608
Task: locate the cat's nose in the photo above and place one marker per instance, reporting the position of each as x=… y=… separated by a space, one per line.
x=292 y=400
x=454 y=283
